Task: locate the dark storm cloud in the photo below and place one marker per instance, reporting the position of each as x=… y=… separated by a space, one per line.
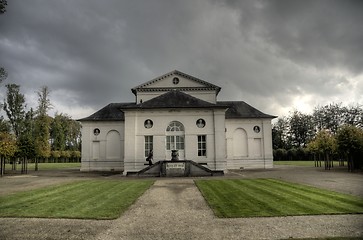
x=268 y=53
x=325 y=33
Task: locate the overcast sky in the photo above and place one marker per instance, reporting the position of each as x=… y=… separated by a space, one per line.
x=275 y=55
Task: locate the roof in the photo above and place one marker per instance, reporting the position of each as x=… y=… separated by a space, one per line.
x=143 y=87
x=111 y=112
x=175 y=99
x=240 y=109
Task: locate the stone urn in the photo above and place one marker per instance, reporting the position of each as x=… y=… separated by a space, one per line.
x=174 y=155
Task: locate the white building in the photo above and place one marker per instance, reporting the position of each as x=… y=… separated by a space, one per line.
x=181 y=112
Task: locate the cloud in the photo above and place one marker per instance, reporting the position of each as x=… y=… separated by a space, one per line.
x=271 y=54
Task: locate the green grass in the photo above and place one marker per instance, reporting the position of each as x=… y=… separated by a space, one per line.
x=301 y=163
x=271 y=197
x=295 y=163
x=47 y=166
x=96 y=199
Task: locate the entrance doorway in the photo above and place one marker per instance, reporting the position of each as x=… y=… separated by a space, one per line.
x=175 y=138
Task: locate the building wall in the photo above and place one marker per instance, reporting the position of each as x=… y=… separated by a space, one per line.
x=247 y=148
x=105 y=151
x=231 y=143
x=135 y=136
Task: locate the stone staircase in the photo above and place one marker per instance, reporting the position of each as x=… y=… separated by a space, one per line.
x=177 y=168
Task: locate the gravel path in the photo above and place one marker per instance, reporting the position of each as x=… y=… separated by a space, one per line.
x=174 y=209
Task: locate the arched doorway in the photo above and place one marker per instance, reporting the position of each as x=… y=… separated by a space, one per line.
x=240 y=147
x=175 y=137
x=113 y=145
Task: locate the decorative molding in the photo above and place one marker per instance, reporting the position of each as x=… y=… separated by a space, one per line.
x=166 y=89
x=208 y=85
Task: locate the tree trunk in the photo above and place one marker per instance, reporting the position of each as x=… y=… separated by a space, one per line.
x=36 y=164
x=2 y=166
x=13 y=164
x=24 y=166
x=350 y=164
x=315 y=161
x=328 y=160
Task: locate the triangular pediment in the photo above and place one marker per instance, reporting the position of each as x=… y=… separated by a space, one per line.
x=175 y=80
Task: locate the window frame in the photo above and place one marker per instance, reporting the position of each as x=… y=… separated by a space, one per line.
x=148 y=144
x=202 y=145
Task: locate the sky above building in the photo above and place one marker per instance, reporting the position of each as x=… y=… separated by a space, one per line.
x=275 y=55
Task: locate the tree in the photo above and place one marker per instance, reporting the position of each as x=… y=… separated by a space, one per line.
x=3 y=4
x=4 y=125
x=313 y=148
x=325 y=144
x=279 y=134
x=301 y=129
x=42 y=125
x=350 y=145
x=73 y=135
x=7 y=149
x=353 y=115
x=26 y=143
x=43 y=101
x=3 y=73
x=65 y=133
x=334 y=115
x=14 y=106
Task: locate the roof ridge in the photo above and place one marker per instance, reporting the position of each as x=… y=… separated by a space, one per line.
x=174 y=99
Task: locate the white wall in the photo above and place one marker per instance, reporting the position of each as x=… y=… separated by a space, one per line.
x=105 y=151
x=247 y=148
x=135 y=132
x=231 y=143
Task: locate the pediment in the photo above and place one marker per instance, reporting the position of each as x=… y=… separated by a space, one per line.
x=175 y=80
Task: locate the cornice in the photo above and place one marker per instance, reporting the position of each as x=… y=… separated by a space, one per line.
x=208 y=85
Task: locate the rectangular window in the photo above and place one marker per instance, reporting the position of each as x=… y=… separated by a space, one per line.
x=202 y=145
x=179 y=142
x=149 y=142
x=169 y=144
x=174 y=142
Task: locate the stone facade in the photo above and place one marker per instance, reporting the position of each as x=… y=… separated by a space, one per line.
x=176 y=111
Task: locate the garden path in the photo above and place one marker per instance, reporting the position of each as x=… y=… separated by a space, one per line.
x=175 y=209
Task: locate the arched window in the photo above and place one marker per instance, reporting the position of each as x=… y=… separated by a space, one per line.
x=175 y=126
x=175 y=136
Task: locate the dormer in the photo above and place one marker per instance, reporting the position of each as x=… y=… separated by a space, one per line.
x=178 y=81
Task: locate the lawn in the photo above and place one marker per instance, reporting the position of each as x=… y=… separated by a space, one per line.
x=47 y=166
x=301 y=163
x=271 y=197
x=296 y=163
x=95 y=199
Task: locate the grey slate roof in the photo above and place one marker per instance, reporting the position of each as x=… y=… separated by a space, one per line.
x=240 y=109
x=111 y=112
x=176 y=99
